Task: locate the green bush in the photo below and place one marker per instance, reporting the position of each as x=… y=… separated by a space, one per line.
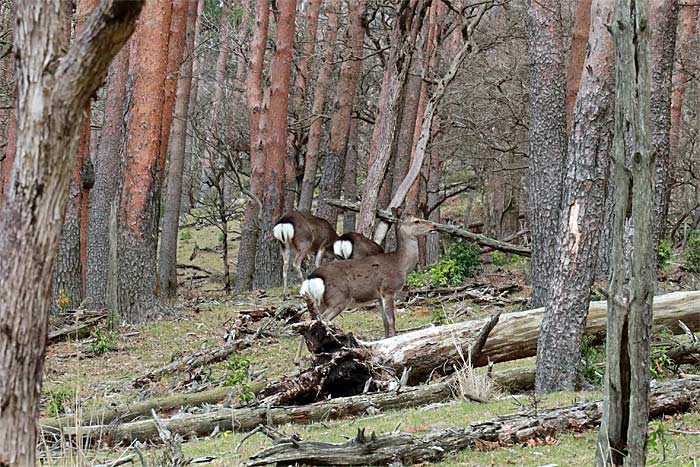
x=104 y=342
x=439 y=316
x=460 y=262
x=500 y=258
x=238 y=374
x=185 y=235
x=663 y=254
x=56 y=398
x=692 y=252
x=592 y=356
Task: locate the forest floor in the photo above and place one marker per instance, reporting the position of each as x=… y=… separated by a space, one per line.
x=96 y=371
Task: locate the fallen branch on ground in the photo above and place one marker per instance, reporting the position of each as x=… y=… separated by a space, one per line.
x=669 y=397
x=82 y=328
x=444 y=228
x=195 y=268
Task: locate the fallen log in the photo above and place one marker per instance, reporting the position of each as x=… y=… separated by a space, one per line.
x=444 y=228
x=247 y=418
x=670 y=397
x=77 y=330
x=514 y=337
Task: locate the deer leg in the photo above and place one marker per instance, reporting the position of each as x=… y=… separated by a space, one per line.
x=298 y=259
x=286 y=253
x=319 y=257
x=388 y=315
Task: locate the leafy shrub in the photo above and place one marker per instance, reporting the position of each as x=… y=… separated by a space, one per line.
x=500 y=258
x=185 y=235
x=104 y=342
x=417 y=279
x=592 y=356
x=63 y=300
x=466 y=257
x=663 y=254
x=56 y=398
x=460 y=262
x=439 y=316
x=238 y=374
x=692 y=252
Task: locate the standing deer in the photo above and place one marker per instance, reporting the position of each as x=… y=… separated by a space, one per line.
x=336 y=286
x=303 y=234
x=354 y=245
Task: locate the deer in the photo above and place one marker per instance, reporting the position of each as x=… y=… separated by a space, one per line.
x=336 y=286
x=354 y=245
x=300 y=235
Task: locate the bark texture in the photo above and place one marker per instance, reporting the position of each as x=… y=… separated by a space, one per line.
x=547 y=139
x=583 y=211
x=52 y=94
x=167 y=260
x=407 y=26
x=322 y=82
x=333 y=162
x=623 y=431
x=577 y=55
x=254 y=96
x=268 y=264
x=664 y=19
x=133 y=281
x=107 y=179
x=350 y=176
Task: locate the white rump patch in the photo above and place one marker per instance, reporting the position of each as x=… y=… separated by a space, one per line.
x=342 y=248
x=314 y=288
x=283 y=232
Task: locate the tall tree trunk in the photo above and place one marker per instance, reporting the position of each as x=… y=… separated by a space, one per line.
x=350 y=176
x=432 y=247
x=583 y=211
x=267 y=260
x=254 y=95
x=209 y=163
x=664 y=19
x=53 y=91
x=299 y=106
x=333 y=162
x=322 y=82
x=577 y=55
x=188 y=181
x=167 y=260
x=107 y=179
x=547 y=139
x=242 y=40
x=68 y=272
x=135 y=282
x=623 y=429
x=407 y=25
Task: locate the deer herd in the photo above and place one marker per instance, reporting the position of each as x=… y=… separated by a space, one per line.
x=365 y=272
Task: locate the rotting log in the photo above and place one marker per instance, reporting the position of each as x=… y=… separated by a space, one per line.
x=513 y=338
x=247 y=418
x=406 y=448
x=77 y=330
x=444 y=228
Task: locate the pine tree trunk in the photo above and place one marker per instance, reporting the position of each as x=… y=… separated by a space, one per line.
x=107 y=178
x=583 y=211
x=134 y=293
x=664 y=19
x=547 y=139
x=406 y=28
x=167 y=260
x=623 y=433
x=53 y=91
x=245 y=269
x=577 y=55
x=68 y=273
x=350 y=176
x=268 y=270
x=333 y=163
x=188 y=180
x=243 y=40
x=322 y=82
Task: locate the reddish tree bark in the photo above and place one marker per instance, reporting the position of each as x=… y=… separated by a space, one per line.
x=254 y=95
x=314 y=140
x=134 y=276
x=107 y=178
x=332 y=172
x=267 y=261
x=577 y=55
x=403 y=38
x=167 y=262
x=242 y=40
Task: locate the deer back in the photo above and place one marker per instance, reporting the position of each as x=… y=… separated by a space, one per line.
x=354 y=245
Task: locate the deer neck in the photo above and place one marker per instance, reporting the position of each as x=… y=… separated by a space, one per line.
x=407 y=251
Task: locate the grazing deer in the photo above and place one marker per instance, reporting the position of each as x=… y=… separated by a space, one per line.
x=336 y=286
x=303 y=234
x=353 y=245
